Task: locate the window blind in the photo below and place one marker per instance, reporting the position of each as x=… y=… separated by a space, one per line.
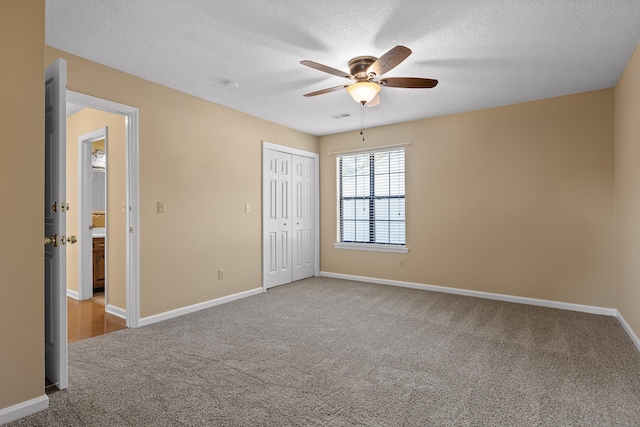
x=372 y=197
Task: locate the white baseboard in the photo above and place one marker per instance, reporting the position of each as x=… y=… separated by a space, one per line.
x=23 y=409
x=479 y=294
x=629 y=331
x=112 y=309
x=116 y=311
x=197 y=307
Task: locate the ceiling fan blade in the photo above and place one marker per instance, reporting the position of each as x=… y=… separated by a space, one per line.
x=330 y=89
x=326 y=69
x=375 y=101
x=408 y=82
x=389 y=60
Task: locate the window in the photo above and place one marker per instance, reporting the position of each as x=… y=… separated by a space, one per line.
x=371 y=199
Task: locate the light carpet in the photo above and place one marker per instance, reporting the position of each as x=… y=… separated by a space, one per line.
x=328 y=352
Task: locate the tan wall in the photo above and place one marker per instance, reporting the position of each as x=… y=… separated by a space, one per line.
x=515 y=200
x=22 y=189
x=79 y=124
x=627 y=137
x=204 y=161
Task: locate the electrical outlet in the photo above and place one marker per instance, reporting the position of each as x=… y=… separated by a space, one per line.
x=401 y=262
x=221 y=274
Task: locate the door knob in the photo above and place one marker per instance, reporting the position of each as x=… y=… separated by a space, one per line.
x=53 y=240
x=72 y=239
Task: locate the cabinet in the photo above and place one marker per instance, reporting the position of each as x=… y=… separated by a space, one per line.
x=98 y=262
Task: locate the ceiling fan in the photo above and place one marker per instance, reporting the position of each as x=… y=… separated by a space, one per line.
x=366 y=72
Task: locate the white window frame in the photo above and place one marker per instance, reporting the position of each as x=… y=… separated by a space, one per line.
x=364 y=246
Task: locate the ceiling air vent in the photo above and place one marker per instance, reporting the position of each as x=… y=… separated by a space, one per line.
x=341 y=115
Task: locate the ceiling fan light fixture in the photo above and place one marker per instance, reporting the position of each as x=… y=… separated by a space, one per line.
x=363 y=92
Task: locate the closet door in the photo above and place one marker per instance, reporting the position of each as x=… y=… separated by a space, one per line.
x=277 y=257
x=303 y=218
x=288 y=195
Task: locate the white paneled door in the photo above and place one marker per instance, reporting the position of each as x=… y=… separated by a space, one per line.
x=55 y=206
x=302 y=217
x=288 y=217
x=277 y=233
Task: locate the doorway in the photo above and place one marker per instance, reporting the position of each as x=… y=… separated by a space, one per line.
x=89 y=173
x=92 y=223
x=126 y=303
x=96 y=184
x=92 y=181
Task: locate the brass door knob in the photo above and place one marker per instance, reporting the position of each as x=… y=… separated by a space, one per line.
x=72 y=239
x=53 y=240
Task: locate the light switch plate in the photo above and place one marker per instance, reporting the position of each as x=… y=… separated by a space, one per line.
x=162 y=207
x=247 y=208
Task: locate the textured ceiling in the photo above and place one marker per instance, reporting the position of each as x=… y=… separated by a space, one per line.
x=246 y=54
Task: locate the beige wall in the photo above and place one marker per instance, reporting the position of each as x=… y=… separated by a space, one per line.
x=627 y=137
x=515 y=200
x=79 y=124
x=22 y=189
x=204 y=161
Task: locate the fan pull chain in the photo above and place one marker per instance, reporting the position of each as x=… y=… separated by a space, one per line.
x=362 y=122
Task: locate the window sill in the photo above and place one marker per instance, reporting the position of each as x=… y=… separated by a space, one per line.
x=400 y=249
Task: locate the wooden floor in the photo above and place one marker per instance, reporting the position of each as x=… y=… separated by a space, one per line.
x=86 y=319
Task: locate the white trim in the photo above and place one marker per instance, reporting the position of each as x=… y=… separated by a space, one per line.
x=23 y=409
x=132 y=115
x=73 y=294
x=133 y=218
x=628 y=330
x=85 y=243
x=316 y=203
x=371 y=149
x=373 y=247
x=479 y=294
x=116 y=311
x=197 y=307
x=289 y=150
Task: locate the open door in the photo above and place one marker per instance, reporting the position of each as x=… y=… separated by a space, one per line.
x=55 y=207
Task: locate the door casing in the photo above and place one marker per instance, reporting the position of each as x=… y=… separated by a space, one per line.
x=132 y=117
x=85 y=251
